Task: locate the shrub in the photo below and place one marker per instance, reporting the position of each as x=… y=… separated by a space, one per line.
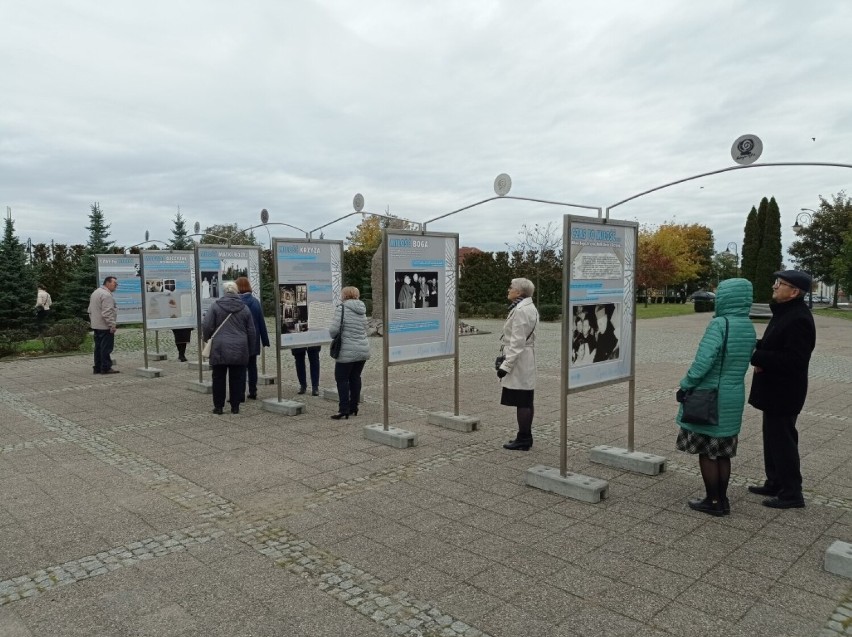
x=66 y=335
x=464 y=308
x=705 y=306
x=368 y=303
x=10 y=341
x=550 y=312
x=494 y=310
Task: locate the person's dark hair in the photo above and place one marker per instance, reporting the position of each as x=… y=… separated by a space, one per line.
x=40 y=286
x=108 y=279
x=243 y=284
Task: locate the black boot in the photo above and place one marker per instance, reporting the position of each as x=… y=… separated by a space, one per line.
x=181 y=348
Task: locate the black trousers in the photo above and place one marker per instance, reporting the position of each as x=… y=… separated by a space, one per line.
x=348 y=378
x=104 y=343
x=781 y=454
x=312 y=353
x=236 y=375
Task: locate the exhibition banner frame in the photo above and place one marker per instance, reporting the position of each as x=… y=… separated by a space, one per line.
x=169 y=295
x=308 y=284
x=128 y=295
x=599 y=302
x=217 y=264
x=420 y=275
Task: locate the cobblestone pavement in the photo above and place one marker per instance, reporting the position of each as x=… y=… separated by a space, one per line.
x=127 y=508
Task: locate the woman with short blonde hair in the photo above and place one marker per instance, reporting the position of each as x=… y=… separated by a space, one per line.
x=350 y=321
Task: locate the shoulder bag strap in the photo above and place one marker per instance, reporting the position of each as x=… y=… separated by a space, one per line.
x=220 y=326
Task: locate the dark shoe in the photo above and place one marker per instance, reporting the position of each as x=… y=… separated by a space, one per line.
x=354 y=412
x=340 y=417
x=235 y=410
x=217 y=411
x=726 y=506
x=784 y=503
x=314 y=392
x=252 y=396
x=765 y=489
x=302 y=390
x=518 y=445
x=708 y=506
x=183 y=360
x=111 y=371
x=96 y=371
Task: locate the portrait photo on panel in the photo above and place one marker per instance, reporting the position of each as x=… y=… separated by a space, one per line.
x=596 y=333
x=415 y=289
x=209 y=284
x=294 y=307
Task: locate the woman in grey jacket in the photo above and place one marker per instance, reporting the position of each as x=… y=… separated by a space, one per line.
x=231 y=347
x=350 y=321
x=721 y=362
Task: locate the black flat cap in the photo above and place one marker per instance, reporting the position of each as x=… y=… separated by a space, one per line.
x=797 y=278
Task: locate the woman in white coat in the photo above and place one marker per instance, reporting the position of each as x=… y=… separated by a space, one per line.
x=517 y=371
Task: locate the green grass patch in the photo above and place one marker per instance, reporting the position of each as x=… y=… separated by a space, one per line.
x=660 y=310
x=836 y=313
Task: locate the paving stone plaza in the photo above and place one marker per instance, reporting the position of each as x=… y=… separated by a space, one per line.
x=127 y=508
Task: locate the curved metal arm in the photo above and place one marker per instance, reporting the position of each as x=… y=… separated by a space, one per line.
x=274 y=223
x=479 y=203
x=725 y=170
x=215 y=236
x=364 y=212
x=143 y=243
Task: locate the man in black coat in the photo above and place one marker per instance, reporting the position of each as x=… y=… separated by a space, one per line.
x=780 y=385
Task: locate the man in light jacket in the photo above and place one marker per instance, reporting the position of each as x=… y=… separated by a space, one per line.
x=102 y=317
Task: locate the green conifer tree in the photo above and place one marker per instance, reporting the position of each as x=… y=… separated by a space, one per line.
x=750 y=245
x=180 y=239
x=769 y=255
x=83 y=281
x=17 y=297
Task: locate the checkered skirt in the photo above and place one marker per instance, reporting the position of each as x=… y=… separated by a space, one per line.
x=705 y=445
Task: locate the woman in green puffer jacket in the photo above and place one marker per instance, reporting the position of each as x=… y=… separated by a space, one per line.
x=716 y=445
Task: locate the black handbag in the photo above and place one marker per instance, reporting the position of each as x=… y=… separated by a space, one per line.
x=337 y=341
x=701 y=406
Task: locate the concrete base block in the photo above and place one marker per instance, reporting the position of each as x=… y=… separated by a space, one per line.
x=205 y=366
x=148 y=372
x=330 y=395
x=265 y=379
x=393 y=437
x=285 y=407
x=573 y=485
x=449 y=420
x=838 y=559
x=646 y=463
x=158 y=356
x=201 y=386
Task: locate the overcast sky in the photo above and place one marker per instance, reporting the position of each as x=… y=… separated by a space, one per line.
x=225 y=108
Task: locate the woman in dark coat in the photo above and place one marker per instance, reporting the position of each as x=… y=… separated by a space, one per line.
x=231 y=346
x=244 y=288
x=723 y=368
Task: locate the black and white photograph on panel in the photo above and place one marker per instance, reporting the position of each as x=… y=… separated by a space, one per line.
x=294 y=307
x=209 y=284
x=596 y=333
x=232 y=269
x=415 y=290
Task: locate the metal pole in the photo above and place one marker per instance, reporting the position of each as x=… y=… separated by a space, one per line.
x=385 y=337
x=276 y=289
x=479 y=203
x=566 y=340
x=456 y=357
x=144 y=311
x=631 y=411
x=198 y=337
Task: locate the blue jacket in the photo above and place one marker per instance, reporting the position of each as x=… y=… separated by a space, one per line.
x=259 y=324
x=733 y=301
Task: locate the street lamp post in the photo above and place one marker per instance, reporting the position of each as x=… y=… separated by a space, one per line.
x=736 y=254
x=806 y=212
x=797 y=228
